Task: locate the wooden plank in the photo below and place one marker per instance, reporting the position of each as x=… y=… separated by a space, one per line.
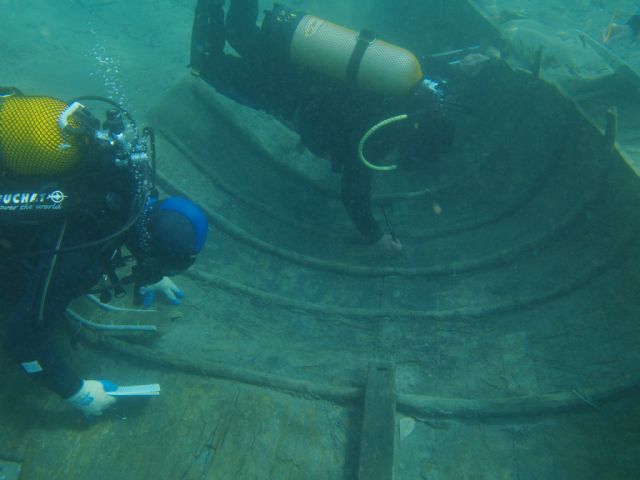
x=377 y=444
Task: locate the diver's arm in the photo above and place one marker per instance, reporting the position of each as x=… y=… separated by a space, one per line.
x=356 y=198
x=634 y=24
x=28 y=341
x=38 y=358
x=147 y=269
x=28 y=338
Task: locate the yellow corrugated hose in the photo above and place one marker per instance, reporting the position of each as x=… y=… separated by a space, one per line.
x=371 y=131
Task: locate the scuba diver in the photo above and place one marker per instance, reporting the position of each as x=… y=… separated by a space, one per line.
x=73 y=192
x=352 y=98
x=628 y=30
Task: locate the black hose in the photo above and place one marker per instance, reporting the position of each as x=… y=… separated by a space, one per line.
x=148 y=131
x=110 y=102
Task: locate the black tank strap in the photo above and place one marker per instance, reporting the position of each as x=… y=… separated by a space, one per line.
x=365 y=38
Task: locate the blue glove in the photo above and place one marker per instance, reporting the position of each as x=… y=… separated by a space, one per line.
x=166 y=287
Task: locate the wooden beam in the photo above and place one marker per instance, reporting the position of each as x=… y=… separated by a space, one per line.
x=377 y=443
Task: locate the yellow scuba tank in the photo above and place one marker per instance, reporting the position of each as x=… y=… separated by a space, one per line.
x=31 y=140
x=344 y=54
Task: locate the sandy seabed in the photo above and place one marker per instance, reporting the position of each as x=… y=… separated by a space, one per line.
x=134 y=51
x=131 y=52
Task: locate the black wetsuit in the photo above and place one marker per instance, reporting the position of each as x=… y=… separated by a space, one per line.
x=634 y=23
x=329 y=115
x=107 y=204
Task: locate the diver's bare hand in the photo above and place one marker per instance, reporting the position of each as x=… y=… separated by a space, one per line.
x=388 y=246
x=473 y=63
x=615 y=33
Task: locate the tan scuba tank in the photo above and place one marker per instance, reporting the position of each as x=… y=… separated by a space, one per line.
x=341 y=53
x=31 y=141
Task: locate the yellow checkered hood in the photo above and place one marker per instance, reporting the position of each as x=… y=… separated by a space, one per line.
x=31 y=142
